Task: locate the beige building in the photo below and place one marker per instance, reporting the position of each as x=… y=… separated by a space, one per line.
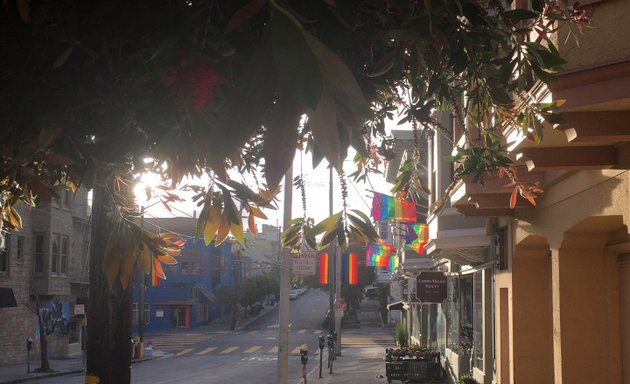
x=561 y=299
x=47 y=259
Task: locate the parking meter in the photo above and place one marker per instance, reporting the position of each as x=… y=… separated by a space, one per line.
x=304 y=354
x=322 y=342
x=330 y=341
x=334 y=335
x=29 y=346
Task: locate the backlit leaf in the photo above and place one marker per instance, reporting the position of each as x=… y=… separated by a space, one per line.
x=224 y=229
x=212 y=224
x=323 y=123
x=143 y=258
x=513 y=197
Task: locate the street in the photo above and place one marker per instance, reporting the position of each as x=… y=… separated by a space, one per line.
x=203 y=356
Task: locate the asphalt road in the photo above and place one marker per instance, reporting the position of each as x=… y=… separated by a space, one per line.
x=247 y=356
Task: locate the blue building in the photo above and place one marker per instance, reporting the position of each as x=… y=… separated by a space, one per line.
x=186 y=298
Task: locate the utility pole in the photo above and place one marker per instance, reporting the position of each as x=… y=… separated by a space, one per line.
x=285 y=277
x=331 y=261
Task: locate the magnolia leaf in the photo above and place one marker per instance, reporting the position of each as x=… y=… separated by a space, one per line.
x=513 y=197
x=323 y=123
x=157 y=269
x=212 y=224
x=338 y=78
x=251 y=224
x=167 y=259
x=258 y=213
x=237 y=231
x=281 y=141
x=143 y=258
x=295 y=63
x=15 y=220
x=201 y=222
x=224 y=229
x=328 y=224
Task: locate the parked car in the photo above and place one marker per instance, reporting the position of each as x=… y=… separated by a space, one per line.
x=293 y=294
x=370 y=292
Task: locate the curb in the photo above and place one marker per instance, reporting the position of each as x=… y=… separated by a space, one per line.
x=63 y=373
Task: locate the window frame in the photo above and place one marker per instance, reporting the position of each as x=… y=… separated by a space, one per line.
x=42 y=253
x=55 y=256
x=5 y=255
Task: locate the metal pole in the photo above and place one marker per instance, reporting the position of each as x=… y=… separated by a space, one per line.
x=285 y=277
x=141 y=319
x=331 y=263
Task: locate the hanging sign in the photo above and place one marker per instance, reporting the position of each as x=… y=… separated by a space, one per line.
x=431 y=287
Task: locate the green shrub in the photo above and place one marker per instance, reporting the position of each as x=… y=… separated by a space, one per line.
x=467 y=379
x=400 y=333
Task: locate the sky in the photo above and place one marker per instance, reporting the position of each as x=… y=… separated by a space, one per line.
x=317 y=194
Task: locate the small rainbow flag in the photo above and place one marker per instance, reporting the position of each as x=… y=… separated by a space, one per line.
x=386 y=207
x=323 y=268
x=350 y=268
x=417 y=236
x=377 y=255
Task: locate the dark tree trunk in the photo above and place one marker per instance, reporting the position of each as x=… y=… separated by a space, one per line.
x=43 y=350
x=109 y=308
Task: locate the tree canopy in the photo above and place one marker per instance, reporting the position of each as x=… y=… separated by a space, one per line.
x=95 y=93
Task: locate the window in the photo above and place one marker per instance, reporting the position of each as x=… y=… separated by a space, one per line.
x=135 y=314
x=20 y=250
x=5 y=241
x=190 y=260
x=65 y=199
x=39 y=252
x=54 y=256
x=500 y=247
x=63 y=268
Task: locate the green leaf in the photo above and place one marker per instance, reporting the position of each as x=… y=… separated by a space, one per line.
x=323 y=123
x=281 y=141
x=296 y=65
x=328 y=224
x=339 y=79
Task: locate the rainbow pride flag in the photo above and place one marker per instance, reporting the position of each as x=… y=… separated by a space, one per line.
x=350 y=268
x=417 y=236
x=377 y=255
x=323 y=268
x=393 y=264
x=386 y=207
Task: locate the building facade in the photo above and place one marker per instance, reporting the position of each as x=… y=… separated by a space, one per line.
x=45 y=264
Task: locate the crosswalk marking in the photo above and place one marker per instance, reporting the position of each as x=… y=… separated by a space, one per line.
x=296 y=350
x=302 y=331
x=273 y=349
x=229 y=350
x=252 y=349
x=185 y=351
x=205 y=351
x=317 y=331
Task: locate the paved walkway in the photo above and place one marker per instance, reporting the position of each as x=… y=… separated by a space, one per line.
x=361 y=362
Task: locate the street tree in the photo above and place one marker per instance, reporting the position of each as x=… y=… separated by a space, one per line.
x=95 y=93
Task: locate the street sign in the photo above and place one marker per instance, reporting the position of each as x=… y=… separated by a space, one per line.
x=79 y=309
x=431 y=287
x=304 y=263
